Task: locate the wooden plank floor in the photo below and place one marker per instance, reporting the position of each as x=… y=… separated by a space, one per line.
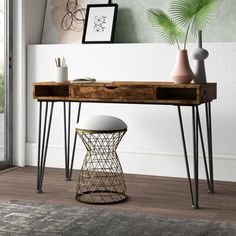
x=158 y=195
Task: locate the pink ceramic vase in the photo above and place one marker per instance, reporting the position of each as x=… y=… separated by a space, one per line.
x=182 y=73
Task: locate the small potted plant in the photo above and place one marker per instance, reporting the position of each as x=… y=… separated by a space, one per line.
x=186 y=16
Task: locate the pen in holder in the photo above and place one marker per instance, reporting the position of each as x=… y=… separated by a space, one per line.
x=61 y=70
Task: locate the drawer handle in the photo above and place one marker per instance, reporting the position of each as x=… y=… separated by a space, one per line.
x=110 y=87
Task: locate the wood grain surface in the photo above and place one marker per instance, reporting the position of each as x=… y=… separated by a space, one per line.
x=126 y=92
x=151 y=194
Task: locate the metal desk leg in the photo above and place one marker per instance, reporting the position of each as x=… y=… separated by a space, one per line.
x=42 y=149
x=195 y=123
x=203 y=151
x=195 y=153
x=185 y=154
x=209 y=140
x=197 y=129
x=67 y=124
x=74 y=145
x=67 y=138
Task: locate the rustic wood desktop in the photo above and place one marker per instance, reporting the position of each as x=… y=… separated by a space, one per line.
x=157 y=93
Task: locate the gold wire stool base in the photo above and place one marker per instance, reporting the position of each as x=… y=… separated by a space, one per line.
x=101 y=179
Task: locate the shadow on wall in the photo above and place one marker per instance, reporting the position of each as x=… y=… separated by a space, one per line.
x=125 y=31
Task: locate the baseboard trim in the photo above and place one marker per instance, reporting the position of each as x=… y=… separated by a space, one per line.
x=141 y=162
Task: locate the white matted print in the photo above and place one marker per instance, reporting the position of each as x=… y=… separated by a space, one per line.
x=64 y=20
x=100 y=23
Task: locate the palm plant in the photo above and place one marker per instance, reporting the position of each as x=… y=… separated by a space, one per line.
x=192 y=15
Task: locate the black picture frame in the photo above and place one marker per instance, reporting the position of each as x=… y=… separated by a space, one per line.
x=100 y=28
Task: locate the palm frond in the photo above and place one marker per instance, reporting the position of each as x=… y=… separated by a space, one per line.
x=195 y=14
x=165 y=26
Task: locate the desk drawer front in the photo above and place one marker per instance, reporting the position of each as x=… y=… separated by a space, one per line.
x=115 y=93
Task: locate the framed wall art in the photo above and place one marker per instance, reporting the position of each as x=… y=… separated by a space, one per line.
x=100 y=23
x=64 y=20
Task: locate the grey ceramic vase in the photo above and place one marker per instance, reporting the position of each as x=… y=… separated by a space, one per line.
x=182 y=73
x=200 y=55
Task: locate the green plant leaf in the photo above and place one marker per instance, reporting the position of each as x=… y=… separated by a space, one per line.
x=165 y=26
x=194 y=14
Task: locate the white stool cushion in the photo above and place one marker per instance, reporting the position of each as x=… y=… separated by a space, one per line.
x=101 y=123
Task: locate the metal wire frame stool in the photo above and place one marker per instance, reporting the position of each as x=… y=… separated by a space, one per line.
x=101 y=179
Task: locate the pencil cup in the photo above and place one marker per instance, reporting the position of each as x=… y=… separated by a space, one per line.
x=61 y=74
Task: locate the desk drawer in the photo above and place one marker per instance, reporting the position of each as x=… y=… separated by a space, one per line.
x=112 y=93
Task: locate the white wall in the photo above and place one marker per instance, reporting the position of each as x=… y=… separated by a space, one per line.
x=152 y=144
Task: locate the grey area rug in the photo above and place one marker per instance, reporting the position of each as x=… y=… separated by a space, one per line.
x=29 y=218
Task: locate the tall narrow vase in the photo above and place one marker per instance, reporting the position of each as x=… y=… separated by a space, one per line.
x=200 y=55
x=182 y=73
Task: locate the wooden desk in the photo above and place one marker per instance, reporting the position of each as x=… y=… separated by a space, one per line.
x=127 y=92
x=158 y=93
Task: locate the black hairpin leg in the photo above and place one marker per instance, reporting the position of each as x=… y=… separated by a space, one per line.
x=67 y=138
x=185 y=154
x=203 y=152
x=43 y=140
x=74 y=145
x=209 y=140
x=195 y=154
x=197 y=130
x=67 y=124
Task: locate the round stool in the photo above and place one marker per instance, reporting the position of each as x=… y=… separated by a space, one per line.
x=101 y=178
